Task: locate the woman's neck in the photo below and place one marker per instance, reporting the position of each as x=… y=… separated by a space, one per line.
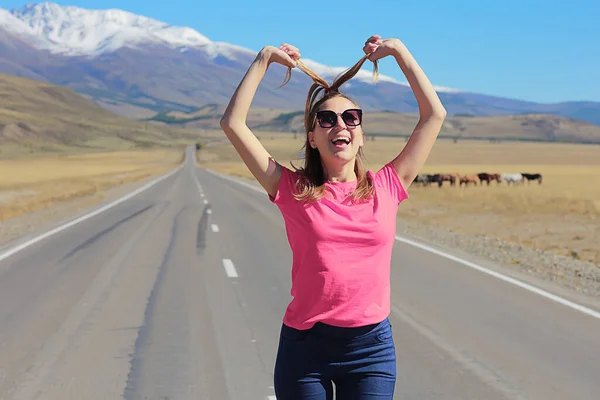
x=340 y=172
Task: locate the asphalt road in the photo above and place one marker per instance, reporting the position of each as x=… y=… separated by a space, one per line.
x=178 y=292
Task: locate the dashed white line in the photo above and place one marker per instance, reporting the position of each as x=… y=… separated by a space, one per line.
x=229 y=268
x=198 y=184
x=205 y=201
x=449 y=256
x=201 y=194
x=271 y=398
x=209 y=211
x=214 y=227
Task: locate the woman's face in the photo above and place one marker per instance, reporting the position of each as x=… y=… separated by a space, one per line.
x=339 y=140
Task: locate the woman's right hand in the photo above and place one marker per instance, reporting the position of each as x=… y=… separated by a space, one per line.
x=286 y=54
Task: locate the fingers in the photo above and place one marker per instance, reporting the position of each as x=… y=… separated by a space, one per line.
x=371 y=44
x=370 y=47
x=291 y=51
x=374 y=39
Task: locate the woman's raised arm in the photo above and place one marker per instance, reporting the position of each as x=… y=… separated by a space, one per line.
x=260 y=163
x=432 y=113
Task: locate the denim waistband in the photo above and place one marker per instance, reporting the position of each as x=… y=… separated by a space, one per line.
x=331 y=331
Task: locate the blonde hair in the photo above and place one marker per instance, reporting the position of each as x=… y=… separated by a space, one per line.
x=311 y=185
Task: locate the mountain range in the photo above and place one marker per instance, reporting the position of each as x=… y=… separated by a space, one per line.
x=138 y=67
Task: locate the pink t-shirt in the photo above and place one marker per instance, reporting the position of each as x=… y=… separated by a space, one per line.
x=341 y=251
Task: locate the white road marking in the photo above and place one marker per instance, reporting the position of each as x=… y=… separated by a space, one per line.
x=271 y=398
x=229 y=268
x=60 y=228
x=201 y=194
x=505 y=278
x=469 y=264
x=197 y=183
x=209 y=211
x=482 y=372
x=57 y=343
x=248 y=185
x=214 y=227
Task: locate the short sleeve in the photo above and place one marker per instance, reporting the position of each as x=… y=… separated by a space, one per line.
x=286 y=187
x=388 y=178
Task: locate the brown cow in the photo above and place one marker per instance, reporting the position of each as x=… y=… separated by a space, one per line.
x=466 y=179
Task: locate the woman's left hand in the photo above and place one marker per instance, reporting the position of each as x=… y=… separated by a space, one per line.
x=378 y=48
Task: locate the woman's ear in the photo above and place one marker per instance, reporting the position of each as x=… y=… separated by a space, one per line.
x=311 y=139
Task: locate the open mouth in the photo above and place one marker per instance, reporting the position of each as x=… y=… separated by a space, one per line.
x=340 y=142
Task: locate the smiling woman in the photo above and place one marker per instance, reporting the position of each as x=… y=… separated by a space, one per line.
x=340 y=223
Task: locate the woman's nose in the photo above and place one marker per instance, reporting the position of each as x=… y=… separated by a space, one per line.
x=340 y=122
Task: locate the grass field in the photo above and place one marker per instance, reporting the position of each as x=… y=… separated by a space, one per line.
x=31 y=183
x=561 y=215
x=38 y=117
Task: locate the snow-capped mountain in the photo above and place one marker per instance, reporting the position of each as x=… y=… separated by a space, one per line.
x=73 y=31
x=133 y=64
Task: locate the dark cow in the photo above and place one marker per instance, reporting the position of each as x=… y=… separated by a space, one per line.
x=485 y=177
x=428 y=179
x=435 y=178
x=532 y=177
x=422 y=179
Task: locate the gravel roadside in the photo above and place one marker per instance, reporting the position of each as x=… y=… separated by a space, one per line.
x=579 y=280
x=23 y=227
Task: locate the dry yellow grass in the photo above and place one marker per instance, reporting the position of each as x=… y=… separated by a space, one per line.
x=540 y=127
x=37 y=118
x=561 y=215
x=28 y=184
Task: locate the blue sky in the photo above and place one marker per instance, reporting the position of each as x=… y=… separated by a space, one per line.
x=538 y=50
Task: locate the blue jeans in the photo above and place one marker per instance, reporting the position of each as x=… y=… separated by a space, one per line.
x=361 y=362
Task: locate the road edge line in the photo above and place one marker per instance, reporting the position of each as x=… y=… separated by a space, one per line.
x=505 y=278
x=15 y=249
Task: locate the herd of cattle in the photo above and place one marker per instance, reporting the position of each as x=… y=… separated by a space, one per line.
x=475 y=179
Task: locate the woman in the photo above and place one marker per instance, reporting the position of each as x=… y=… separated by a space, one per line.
x=341 y=222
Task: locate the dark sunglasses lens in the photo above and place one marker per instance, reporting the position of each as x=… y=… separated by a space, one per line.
x=327 y=119
x=352 y=117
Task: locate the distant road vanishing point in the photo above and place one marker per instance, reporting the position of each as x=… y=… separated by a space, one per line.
x=177 y=291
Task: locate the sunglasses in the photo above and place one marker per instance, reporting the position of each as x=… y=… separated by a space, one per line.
x=328 y=118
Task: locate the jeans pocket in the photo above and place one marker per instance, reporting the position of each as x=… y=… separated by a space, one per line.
x=385 y=335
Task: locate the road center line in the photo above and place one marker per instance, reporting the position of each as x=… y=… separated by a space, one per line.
x=531 y=288
x=214 y=227
x=197 y=184
x=229 y=268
